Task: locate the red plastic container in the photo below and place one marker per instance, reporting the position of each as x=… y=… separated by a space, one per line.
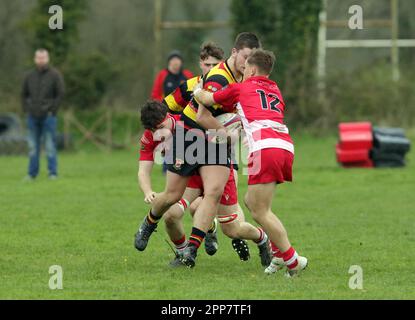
x=355 y=143
x=350 y=155
x=356 y=135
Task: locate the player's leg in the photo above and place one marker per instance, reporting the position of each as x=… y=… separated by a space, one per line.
x=175 y=187
x=194 y=205
x=211 y=239
x=239 y=245
x=173 y=219
x=174 y=190
x=234 y=228
x=214 y=179
x=258 y=199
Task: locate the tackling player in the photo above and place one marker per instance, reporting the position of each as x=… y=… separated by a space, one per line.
x=231 y=214
x=214 y=168
x=260 y=104
x=210 y=55
x=159 y=127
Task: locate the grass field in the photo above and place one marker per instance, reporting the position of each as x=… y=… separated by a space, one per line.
x=86 y=220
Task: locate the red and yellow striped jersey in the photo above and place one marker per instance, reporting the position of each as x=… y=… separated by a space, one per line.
x=218 y=77
x=179 y=98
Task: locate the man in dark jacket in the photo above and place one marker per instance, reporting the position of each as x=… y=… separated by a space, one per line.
x=42 y=93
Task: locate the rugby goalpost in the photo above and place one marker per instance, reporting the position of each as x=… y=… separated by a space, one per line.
x=394 y=43
x=160 y=25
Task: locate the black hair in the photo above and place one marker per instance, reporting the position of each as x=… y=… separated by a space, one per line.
x=152 y=114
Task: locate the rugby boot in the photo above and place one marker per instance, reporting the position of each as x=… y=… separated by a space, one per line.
x=211 y=241
x=189 y=256
x=177 y=261
x=275 y=265
x=241 y=248
x=298 y=269
x=265 y=253
x=143 y=235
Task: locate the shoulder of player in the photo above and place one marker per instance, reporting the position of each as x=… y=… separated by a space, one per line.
x=262 y=81
x=176 y=117
x=220 y=75
x=191 y=83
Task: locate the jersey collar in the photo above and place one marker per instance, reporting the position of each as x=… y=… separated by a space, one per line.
x=260 y=78
x=228 y=69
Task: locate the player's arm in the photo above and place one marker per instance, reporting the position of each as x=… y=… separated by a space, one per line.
x=207 y=120
x=226 y=97
x=204 y=117
x=144 y=180
x=180 y=97
x=145 y=166
x=204 y=97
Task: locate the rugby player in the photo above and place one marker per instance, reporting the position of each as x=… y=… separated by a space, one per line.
x=259 y=102
x=159 y=127
x=231 y=215
x=210 y=55
x=214 y=169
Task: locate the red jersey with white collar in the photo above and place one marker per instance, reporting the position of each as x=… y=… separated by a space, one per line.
x=260 y=104
x=150 y=141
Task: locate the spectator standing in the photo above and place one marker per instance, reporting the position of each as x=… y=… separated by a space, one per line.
x=42 y=93
x=170 y=78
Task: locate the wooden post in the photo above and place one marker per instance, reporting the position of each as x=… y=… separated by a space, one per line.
x=322 y=49
x=394 y=37
x=157 y=35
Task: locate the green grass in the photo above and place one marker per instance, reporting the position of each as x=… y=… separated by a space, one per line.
x=85 y=222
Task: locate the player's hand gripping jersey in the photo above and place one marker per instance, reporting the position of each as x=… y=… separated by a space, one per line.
x=261 y=107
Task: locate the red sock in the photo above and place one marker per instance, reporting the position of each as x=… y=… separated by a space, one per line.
x=181 y=243
x=290 y=258
x=261 y=236
x=183 y=203
x=275 y=251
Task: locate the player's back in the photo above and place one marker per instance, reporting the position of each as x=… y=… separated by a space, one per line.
x=262 y=100
x=262 y=107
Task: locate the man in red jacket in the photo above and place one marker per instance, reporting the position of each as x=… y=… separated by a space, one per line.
x=170 y=78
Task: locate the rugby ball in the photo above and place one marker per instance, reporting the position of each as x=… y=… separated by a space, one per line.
x=231 y=121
